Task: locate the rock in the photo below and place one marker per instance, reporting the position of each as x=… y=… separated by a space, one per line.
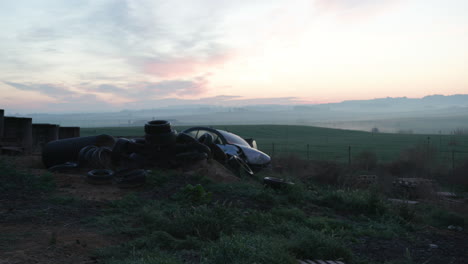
x=454 y=227
x=433 y=246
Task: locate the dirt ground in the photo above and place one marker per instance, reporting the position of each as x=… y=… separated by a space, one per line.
x=34 y=231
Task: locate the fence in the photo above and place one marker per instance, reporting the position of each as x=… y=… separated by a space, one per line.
x=450 y=157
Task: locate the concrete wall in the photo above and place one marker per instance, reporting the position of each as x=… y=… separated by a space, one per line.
x=17 y=131
x=42 y=134
x=69 y=132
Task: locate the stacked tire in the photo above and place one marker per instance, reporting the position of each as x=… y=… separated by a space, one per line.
x=161 y=139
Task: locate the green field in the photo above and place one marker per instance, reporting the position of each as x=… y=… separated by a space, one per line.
x=316 y=143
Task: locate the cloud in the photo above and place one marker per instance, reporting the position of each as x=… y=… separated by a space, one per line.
x=51 y=90
x=179 y=88
x=153 y=39
x=184 y=66
x=108 y=88
x=355 y=9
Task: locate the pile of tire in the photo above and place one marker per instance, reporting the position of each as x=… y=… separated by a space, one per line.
x=124 y=161
x=160 y=139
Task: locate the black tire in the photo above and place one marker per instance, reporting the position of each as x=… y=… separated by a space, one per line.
x=218 y=153
x=130 y=178
x=84 y=155
x=157 y=126
x=195 y=146
x=161 y=139
x=120 y=150
x=68 y=166
x=139 y=140
x=100 y=176
x=276 y=183
x=185 y=138
x=206 y=139
x=67 y=150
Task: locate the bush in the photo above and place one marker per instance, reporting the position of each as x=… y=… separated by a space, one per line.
x=417 y=161
x=326 y=172
x=365 y=160
x=194 y=195
x=459 y=177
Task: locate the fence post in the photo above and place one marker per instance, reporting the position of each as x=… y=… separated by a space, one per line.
x=453 y=160
x=308 y=152
x=349 y=155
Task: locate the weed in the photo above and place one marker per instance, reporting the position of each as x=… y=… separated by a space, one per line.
x=355 y=201
x=240 y=249
x=311 y=244
x=20 y=184
x=442 y=218
x=194 y=195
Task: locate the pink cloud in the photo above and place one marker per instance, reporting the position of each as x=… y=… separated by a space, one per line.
x=183 y=67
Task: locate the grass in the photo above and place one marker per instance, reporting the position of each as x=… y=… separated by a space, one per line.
x=179 y=219
x=245 y=222
x=325 y=143
x=15 y=184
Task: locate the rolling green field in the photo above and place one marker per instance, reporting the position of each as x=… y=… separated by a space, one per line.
x=316 y=143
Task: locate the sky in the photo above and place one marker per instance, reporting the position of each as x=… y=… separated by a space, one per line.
x=107 y=55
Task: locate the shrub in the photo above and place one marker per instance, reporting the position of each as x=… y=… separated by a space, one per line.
x=326 y=172
x=417 y=161
x=365 y=160
x=194 y=194
x=459 y=177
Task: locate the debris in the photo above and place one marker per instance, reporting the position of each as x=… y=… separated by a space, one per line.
x=409 y=202
x=67 y=150
x=130 y=178
x=217 y=154
x=447 y=194
x=100 y=176
x=276 y=183
x=64 y=167
x=433 y=246
x=454 y=227
x=308 y=261
x=95 y=157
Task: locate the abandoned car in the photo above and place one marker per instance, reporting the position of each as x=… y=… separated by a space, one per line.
x=235 y=147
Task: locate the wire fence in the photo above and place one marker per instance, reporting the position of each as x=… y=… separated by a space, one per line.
x=385 y=153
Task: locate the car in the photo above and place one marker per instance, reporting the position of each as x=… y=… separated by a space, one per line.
x=233 y=146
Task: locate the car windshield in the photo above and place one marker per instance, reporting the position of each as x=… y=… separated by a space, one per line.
x=234 y=139
x=200 y=132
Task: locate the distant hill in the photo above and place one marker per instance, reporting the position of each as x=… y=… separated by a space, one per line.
x=430 y=114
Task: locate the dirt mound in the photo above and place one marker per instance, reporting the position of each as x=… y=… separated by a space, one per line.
x=213 y=170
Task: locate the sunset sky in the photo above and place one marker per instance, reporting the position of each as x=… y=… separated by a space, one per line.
x=107 y=55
